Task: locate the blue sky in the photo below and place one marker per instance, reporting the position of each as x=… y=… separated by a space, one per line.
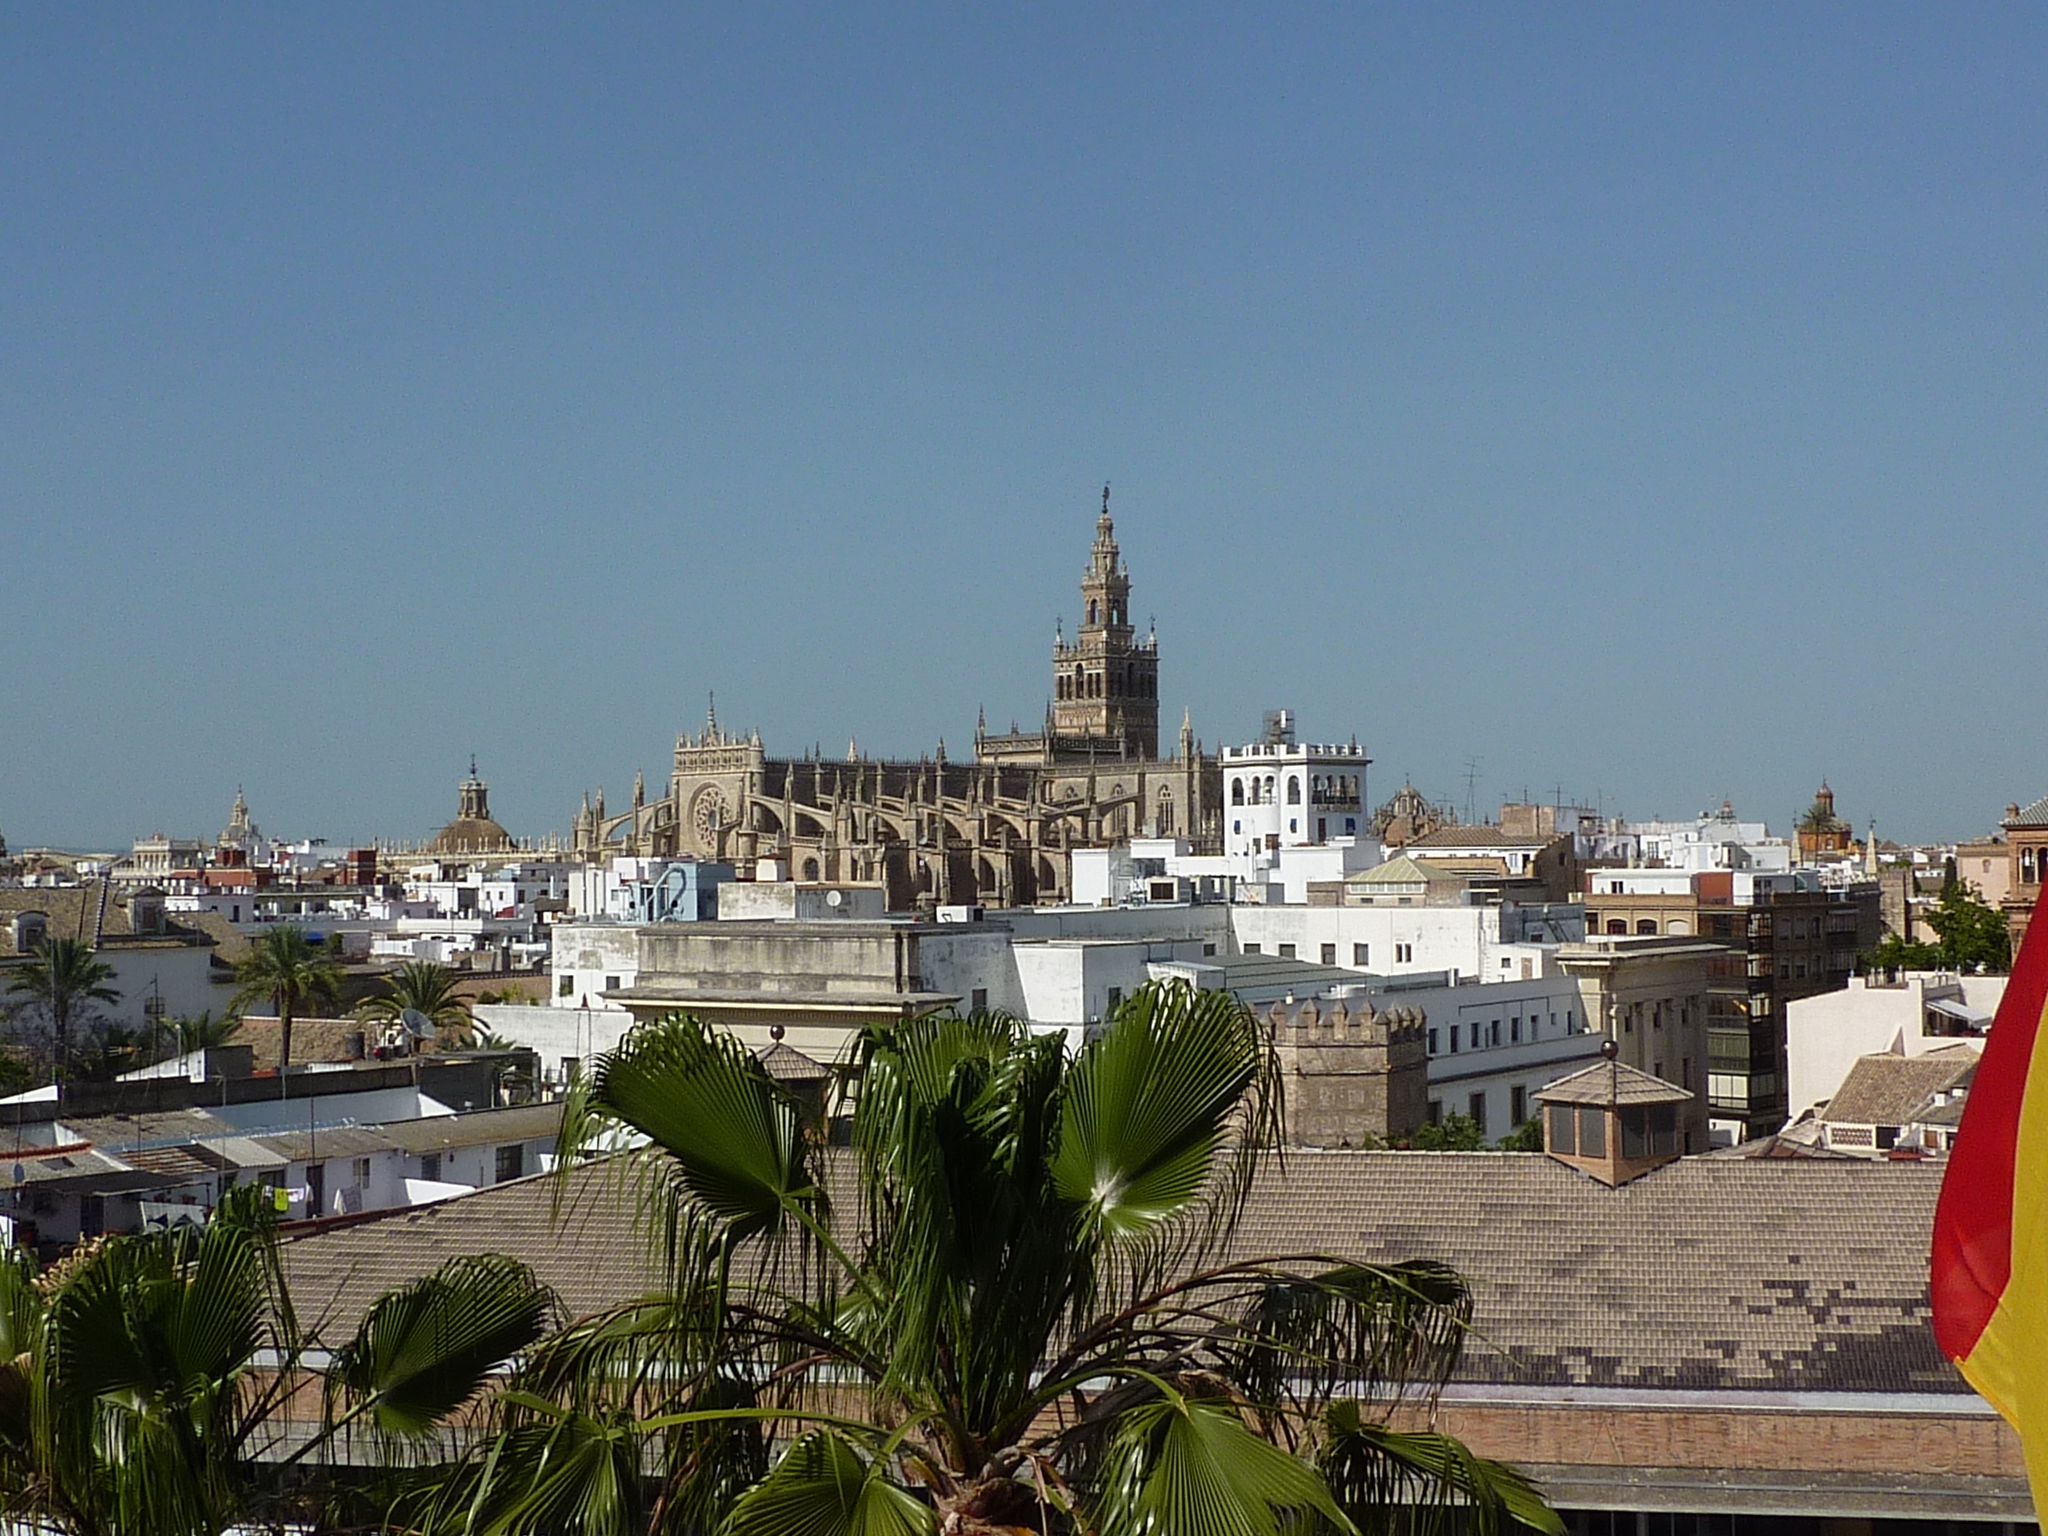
x=1647 y=400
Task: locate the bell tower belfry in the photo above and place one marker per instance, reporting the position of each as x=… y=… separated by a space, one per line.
x=1106 y=682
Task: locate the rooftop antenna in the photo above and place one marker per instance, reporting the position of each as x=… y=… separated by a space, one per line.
x=1471 y=784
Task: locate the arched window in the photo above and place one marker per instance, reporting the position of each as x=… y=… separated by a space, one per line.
x=1237 y=791
x=1293 y=790
x=2027 y=866
x=1617 y=925
x=1646 y=925
x=1267 y=795
x=1091 y=610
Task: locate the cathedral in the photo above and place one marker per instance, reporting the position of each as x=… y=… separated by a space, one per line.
x=994 y=830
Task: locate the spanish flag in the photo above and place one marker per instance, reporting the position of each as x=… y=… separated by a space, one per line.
x=1990 y=1266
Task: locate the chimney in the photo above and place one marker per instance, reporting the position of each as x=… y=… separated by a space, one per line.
x=1612 y=1122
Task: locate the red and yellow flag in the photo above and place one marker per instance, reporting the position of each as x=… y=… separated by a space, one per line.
x=1990 y=1273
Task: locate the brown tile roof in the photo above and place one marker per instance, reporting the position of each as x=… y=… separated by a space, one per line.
x=1611 y=1082
x=1709 y=1273
x=788 y=1064
x=1892 y=1090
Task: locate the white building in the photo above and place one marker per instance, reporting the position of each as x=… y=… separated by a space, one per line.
x=1710 y=841
x=1922 y=1011
x=1278 y=793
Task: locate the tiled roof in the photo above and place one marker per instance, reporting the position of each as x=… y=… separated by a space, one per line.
x=441 y=1133
x=1400 y=870
x=2035 y=815
x=1611 y=1082
x=335 y=1141
x=1752 y=1274
x=114 y=1133
x=787 y=1064
x=1892 y=1090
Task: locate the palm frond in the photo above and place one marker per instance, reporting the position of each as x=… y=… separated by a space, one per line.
x=1430 y=1482
x=427 y=1348
x=824 y=1487
x=1192 y=1467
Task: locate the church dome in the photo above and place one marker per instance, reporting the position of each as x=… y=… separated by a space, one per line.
x=472 y=830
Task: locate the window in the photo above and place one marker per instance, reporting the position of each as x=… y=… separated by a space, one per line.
x=1518 y=1104
x=362 y=1173
x=1237 y=791
x=1646 y=925
x=1361 y=954
x=1404 y=954
x=1116 y=998
x=1562 y=1125
x=1436 y=1112
x=1208 y=949
x=1515 y=1036
x=1251 y=949
x=565 y=985
x=430 y=1165
x=1286 y=951
x=511 y=1162
x=978 y=1000
x=1329 y=954
x=1454 y=1039
x=1475 y=1106
x=611 y=983
x=1657 y=1069
x=1475 y=1034
x=1592 y=1131
x=1685 y=1073
x=1293 y=789
x=1617 y=925
x=1432 y=1042
x=1493 y=1033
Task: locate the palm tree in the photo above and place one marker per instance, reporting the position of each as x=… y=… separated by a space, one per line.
x=202 y=1030
x=62 y=975
x=130 y=1398
x=1028 y=1309
x=425 y=988
x=284 y=969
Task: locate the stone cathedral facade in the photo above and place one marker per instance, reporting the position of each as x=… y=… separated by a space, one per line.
x=994 y=830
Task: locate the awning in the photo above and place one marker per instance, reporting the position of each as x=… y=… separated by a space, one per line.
x=1955 y=1008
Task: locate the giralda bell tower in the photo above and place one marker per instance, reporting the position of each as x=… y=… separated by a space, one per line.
x=1106 y=683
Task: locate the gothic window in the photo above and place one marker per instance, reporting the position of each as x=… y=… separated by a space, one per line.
x=1293 y=790
x=1237 y=791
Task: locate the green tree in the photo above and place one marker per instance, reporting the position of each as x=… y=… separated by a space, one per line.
x=1973 y=936
x=130 y=1398
x=62 y=980
x=1029 y=1311
x=427 y=989
x=1970 y=936
x=1526 y=1137
x=285 y=969
x=1895 y=954
x=1453 y=1133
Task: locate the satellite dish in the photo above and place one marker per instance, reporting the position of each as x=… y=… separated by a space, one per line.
x=417 y=1024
